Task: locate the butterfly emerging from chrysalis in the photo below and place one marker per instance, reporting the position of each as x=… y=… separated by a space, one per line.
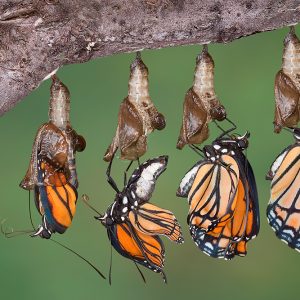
x=138 y=116
x=52 y=171
x=133 y=224
x=222 y=196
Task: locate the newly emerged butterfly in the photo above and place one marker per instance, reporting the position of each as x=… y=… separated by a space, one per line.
x=287 y=85
x=201 y=104
x=134 y=225
x=52 y=170
x=138 y=116
x=222 y=195
x=283 y=210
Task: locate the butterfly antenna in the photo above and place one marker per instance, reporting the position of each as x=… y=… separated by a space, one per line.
x=13 y=233
x=80 y=256
x=141 y=273
x=85 y=198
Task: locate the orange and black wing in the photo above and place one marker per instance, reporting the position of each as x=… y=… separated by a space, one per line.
x=283 y=210
x=231 y=234
x=212 y=195
x=55 y=197
x=152 y=220
x=144 y=249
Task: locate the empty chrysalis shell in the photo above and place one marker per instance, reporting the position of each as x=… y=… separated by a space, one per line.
x=287 y=85
x=201 y=104
x=56 y=140
x=138 y=116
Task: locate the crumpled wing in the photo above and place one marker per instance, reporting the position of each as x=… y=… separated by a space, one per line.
x=287 y=98
x=50 y=142
x=194 y=129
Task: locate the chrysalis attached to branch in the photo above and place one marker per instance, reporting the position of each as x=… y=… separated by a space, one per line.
x=287 y=85
x=52 y=170
x=201 y=104
x=137 y=116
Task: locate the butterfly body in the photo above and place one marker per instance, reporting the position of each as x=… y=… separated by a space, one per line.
x=222 y=195
x=134 y=225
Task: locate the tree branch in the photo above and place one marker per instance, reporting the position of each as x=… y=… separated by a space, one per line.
x=37 y=37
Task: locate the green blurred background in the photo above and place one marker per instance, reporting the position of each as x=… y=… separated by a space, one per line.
x=244 y=78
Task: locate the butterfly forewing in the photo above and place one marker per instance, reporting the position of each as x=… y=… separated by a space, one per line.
x=152 y=220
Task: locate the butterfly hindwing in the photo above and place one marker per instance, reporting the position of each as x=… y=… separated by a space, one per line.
x=144 y=249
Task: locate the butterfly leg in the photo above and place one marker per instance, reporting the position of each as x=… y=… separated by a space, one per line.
x=225 y=132
x=197 y=150
x=125 y=173
x=109 y=178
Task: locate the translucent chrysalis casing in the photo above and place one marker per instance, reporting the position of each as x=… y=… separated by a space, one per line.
x=137 y=118
x=201 y=104
x=287 y=85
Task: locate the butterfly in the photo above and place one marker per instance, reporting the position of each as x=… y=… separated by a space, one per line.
x=284 y=205
x=134 y=225
x=222 y=195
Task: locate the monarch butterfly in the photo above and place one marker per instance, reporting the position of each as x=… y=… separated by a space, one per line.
x=221 y=191
x=134 y=225
x=137 y=116
x=283 y=208
x=287 y=85
x=201 y=104
x=52 y=172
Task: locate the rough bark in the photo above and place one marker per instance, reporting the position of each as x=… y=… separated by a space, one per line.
x=37 y=37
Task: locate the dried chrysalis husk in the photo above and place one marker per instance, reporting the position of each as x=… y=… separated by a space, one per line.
x=56 y=140
x=137 y=118
x=201 y=104
x=287 y=85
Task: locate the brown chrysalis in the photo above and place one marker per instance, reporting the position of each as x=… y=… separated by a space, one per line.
x=52 y=171
x=287 y=85
x=137 y=116
x=201 y=104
